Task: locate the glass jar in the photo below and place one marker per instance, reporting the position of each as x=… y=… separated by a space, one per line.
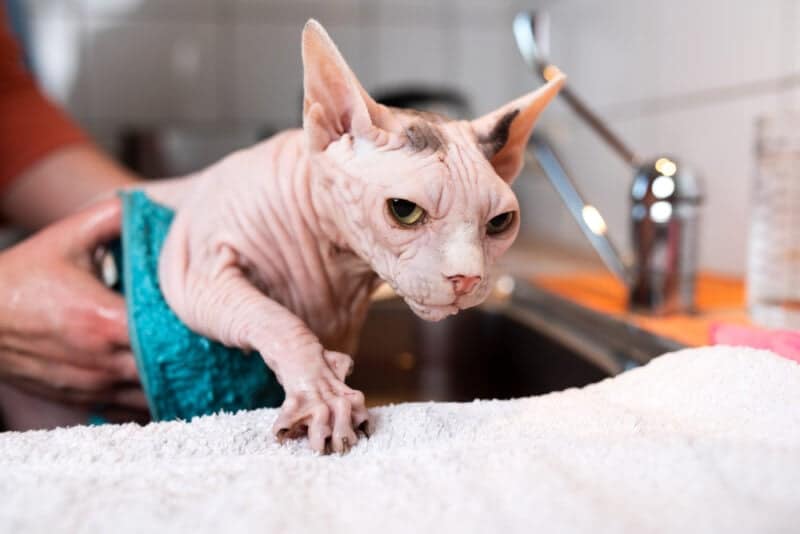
x=773 y=267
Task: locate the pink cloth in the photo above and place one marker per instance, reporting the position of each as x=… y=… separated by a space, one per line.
x=783 y=342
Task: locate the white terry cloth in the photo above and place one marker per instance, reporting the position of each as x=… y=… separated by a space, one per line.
x=704 y=440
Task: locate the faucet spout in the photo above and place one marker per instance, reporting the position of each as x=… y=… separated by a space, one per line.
x=588 y=218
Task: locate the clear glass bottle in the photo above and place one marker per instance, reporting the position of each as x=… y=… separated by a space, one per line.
x=773 y=270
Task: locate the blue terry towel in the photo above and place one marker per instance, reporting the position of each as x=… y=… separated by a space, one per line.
x=183 y=374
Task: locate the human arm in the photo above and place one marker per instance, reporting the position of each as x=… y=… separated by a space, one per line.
x=61 y=183
x=63 y=335
x=48 y=166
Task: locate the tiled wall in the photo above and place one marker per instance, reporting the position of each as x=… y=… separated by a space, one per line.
x=236 y=63
x=684 y=76
x=688 y=77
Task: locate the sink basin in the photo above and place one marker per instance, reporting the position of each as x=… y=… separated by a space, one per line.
x=531 y=344
x=479 y=353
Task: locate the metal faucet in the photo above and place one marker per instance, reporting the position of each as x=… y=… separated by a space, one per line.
x=665 y=199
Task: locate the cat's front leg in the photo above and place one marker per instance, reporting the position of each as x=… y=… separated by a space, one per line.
x=213 y=297
x=318 y=403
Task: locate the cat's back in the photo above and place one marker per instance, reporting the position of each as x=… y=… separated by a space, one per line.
x=257 y=164
x=242 y=184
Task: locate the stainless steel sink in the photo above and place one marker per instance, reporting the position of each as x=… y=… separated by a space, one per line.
x=529 y=344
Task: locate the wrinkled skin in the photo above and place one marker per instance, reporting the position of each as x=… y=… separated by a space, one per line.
x=277 y=248
x=63 y=335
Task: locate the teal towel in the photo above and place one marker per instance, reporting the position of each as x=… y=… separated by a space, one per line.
x=183 y=374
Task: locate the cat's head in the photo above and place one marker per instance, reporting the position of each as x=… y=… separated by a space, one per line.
x=425 y=200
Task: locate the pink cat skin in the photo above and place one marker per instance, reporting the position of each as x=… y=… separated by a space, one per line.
x=277 y=248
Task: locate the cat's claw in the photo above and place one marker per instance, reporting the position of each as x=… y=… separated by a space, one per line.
x=282 y=435
x=330 y=416
x=365 y=429
x=285 y=434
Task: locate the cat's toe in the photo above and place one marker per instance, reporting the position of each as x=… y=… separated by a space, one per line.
x=289 y=424
x=319 y=429
x=343 y=435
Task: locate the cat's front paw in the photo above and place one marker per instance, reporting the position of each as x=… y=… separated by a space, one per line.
x=325 y=409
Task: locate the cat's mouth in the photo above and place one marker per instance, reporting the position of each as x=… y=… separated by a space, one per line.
x=432 y=312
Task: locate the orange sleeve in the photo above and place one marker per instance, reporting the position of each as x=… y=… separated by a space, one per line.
x=30 y=125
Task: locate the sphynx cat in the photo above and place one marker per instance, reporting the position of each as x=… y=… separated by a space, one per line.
x=278 y=247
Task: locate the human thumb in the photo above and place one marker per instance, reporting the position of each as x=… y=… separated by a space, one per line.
x=96 y=225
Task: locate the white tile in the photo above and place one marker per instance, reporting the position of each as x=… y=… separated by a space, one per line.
x=789 y=98
x=609 y=51
x=296 y=12
x=530 y=5
x=226 y=52
x=268 y=74
x=59 y=58
x=488 y=67
x=631 y=50
x=709 y=44
x=495 y=13
x=472 y=10
x=412 y=43
x=789 y=94
x=150 y=9
x=411 y=55
x=789 y=39
x=409 y=12
x=359 y=52
x=50 y=8
x=152 y=72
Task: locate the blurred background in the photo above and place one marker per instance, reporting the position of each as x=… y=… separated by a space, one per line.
x=200 y=78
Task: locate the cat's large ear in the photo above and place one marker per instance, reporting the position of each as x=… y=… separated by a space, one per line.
x=503 y=134
x=334 y=103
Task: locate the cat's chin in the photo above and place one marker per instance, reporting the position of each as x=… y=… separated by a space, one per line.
x=432 y=313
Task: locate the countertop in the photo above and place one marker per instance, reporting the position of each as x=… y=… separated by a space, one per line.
x=582 y=279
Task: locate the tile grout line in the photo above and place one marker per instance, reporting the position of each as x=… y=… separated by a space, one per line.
x=633 y=109
x=788 y=44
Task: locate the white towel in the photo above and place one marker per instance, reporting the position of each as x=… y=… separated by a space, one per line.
x=704 y=440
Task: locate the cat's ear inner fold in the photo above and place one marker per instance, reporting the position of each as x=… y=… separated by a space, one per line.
x=334 y=103
x=503 y=134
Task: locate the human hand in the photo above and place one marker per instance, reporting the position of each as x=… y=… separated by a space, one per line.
x=63 y=335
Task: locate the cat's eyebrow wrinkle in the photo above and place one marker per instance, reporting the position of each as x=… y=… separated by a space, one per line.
x=495 y=140
x=435 y=192
x=423 y=135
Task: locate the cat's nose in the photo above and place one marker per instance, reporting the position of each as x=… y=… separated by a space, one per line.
x=463 y=284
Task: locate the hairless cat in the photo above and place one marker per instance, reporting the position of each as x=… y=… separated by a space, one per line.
x=278 y=247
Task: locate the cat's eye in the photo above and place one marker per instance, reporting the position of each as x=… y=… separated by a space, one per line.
x=405 y=212
x=499 y=223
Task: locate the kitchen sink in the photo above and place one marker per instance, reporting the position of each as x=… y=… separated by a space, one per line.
x=530 y=343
